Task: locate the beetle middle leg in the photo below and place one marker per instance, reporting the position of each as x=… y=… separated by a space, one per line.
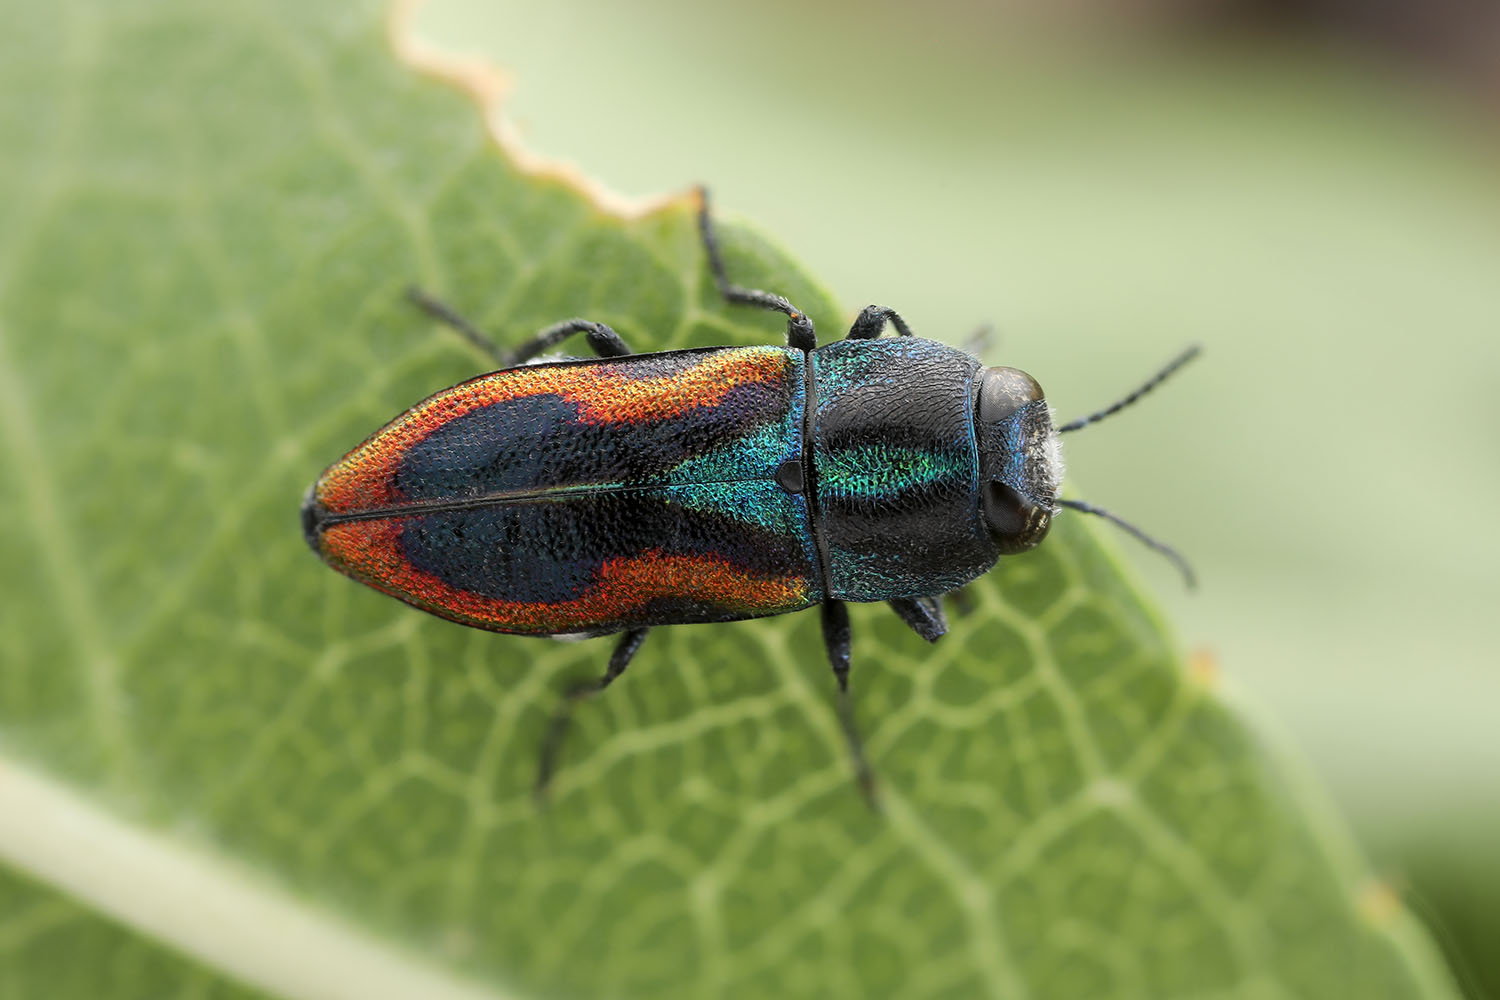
x=871 y=323
x=557 y=729
x=923 y=615
x=602 y=340
x=799 y=327
x=982 y=342
x=837 y=637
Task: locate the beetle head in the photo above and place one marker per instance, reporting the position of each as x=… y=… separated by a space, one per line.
x=1020 y=458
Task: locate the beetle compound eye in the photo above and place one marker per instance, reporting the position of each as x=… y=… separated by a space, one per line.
x=1003 y=391
x=1013 y=520
x=1018 y=460
x=1016 y=524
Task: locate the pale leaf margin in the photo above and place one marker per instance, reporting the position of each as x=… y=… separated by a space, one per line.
x=489 y=86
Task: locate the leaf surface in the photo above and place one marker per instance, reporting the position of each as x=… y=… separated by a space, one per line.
x=221 y=763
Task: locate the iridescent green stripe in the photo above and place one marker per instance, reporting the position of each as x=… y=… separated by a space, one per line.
x=875 y=471
x=755 y=454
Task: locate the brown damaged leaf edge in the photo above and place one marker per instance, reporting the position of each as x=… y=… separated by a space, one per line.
x=489 y=86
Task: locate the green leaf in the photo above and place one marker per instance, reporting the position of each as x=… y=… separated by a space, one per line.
x=52 y=946
x=221 y=763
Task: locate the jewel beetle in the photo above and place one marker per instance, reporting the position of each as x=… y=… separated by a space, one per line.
x=610 y=495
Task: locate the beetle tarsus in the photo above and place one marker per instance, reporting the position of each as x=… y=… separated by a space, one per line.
x=557 y=729
x=923 y=615
x=980 y=343
x=446 y=314
x=602 y=340
x=838 y=639
x=864 y=775
x=799 y=327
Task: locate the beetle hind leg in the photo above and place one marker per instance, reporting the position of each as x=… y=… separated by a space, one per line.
x=837 y=637
x=447 y=315
x=602 y=340
x=557 y=729
x=799 y=327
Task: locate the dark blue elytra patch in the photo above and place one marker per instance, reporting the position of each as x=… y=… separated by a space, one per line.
x=536 y=443
x=549 y=550
x=477 y=454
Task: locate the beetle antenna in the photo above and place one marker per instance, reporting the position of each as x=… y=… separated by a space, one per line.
x=1151 y=383
x=1141 y=536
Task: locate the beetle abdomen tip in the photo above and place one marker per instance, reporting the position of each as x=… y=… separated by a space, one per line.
x=313 y=513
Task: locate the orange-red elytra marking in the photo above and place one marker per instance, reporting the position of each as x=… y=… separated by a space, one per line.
x=371 y=550
x=603 y=393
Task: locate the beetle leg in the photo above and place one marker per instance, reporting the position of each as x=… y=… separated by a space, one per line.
x=605 y=342
x=838 y=638
x=625 y=650
x=799 y=327
x=444 y=313
x=924 y=615
x=962 y=600
x=871 y=323
x=981 y=342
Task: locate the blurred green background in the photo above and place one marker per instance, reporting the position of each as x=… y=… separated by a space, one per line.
x=1310 y=190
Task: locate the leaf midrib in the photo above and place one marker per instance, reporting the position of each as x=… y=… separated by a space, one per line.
x=205 y=906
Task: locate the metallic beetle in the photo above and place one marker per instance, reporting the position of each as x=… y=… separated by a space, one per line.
x=615 y=494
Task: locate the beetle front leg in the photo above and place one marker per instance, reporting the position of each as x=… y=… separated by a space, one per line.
x=625 y=650
x=837 y=638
